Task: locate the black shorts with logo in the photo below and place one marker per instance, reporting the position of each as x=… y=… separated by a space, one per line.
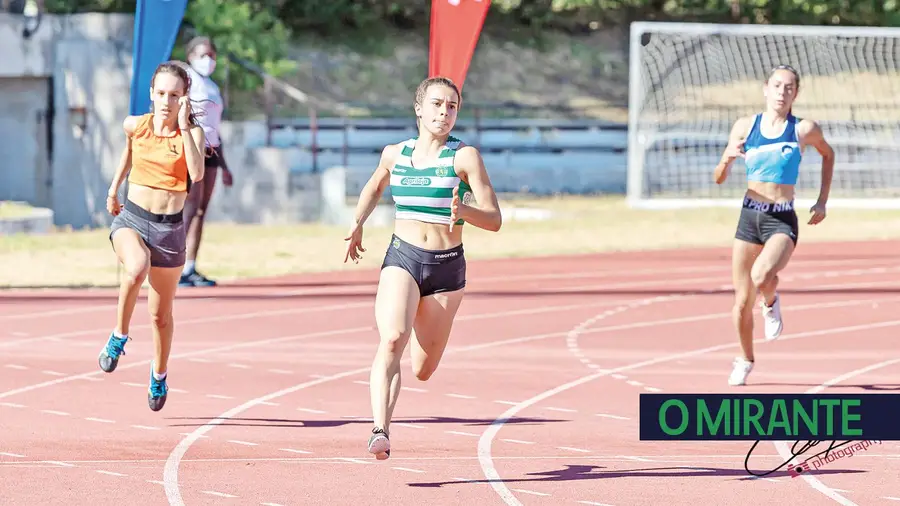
x=759 y=221
x=435 y=271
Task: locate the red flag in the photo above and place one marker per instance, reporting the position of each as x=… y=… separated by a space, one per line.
x=455 y=27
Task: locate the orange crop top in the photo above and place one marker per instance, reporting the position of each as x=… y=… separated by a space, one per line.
x=157 y=162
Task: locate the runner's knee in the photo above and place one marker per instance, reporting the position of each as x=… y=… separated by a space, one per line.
x=393 y=341
x=135 y=269
x=160 y=319
x=743 y=301
x=762 y=273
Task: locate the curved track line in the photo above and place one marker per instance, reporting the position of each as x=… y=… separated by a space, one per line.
x=298 y=337
x=581 y=329
x=785 y=453
x=572 y=339
x=487 y=437
x=359 y=305
x=170 y=473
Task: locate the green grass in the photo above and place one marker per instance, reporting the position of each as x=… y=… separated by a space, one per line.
x=9 y=209
x=581 y=225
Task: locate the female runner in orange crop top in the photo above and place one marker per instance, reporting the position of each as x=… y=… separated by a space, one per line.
x=164 y=152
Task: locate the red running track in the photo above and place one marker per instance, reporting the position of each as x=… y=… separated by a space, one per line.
x=535 y=402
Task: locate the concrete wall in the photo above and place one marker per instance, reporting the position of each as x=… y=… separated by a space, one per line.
x=70 y=62
x=50 y=157
x=276 y=184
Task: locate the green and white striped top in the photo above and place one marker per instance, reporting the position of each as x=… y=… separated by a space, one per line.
x=425 y=193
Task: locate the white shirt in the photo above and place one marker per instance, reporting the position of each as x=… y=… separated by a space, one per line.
x=207 y=104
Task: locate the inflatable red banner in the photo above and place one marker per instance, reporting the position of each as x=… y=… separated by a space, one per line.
x=455 y=28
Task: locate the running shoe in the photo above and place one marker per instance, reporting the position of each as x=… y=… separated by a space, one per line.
x=742 y=368
x=772 y=317
x=114 y=348
x=156 y=395
x=379 y=444
x=194 y=278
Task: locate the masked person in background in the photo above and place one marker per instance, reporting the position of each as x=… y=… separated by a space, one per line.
x=207 y=100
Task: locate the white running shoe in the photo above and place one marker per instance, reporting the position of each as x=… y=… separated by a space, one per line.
x=772 y=318
x=742 y=368
x=379 y=444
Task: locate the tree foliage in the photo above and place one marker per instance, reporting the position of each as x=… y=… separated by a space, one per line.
x=334 y=17
x=259 y=30
x=254 y=35
x=251 y=32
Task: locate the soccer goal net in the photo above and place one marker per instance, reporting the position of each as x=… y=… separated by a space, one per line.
x=689 y=83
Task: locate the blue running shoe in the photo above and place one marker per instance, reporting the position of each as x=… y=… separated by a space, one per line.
x=109 y=356
x=156 y=396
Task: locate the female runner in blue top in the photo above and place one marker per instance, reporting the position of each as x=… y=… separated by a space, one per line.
x=771 y=144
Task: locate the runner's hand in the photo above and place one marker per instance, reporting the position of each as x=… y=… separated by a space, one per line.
x=734 y=151
x=112 y=205
x=354 y=246
x=818 y=211
x=454 y=207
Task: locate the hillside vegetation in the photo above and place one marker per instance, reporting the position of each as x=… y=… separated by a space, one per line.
x=567 y=57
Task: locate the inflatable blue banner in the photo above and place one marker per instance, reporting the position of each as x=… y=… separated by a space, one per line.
x=156 y=25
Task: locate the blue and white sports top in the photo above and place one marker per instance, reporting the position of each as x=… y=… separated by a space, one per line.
x=773 y=159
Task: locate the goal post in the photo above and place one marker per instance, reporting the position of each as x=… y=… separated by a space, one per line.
x=689 y=83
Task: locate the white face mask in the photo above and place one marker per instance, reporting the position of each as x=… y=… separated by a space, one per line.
x=204 y=66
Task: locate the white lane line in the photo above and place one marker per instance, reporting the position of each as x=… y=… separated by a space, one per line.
x=54 y=412
x=219 y=494
x=110 y=473
x=518 y=441
x=145 y=427
x=615 y=417
x=531 y=492
x=487 y=437
x=786 y=453
x=58 y=463
x=291 y=450
x=409 y=469
x=173 y=492
x=460 y=396
x=571 y=449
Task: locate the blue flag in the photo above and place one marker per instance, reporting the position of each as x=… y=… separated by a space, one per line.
x=156 y=25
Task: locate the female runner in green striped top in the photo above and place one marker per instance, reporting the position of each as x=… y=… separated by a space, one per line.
x=438 y=184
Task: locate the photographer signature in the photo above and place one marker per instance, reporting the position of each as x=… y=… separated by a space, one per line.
x=794 y=452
